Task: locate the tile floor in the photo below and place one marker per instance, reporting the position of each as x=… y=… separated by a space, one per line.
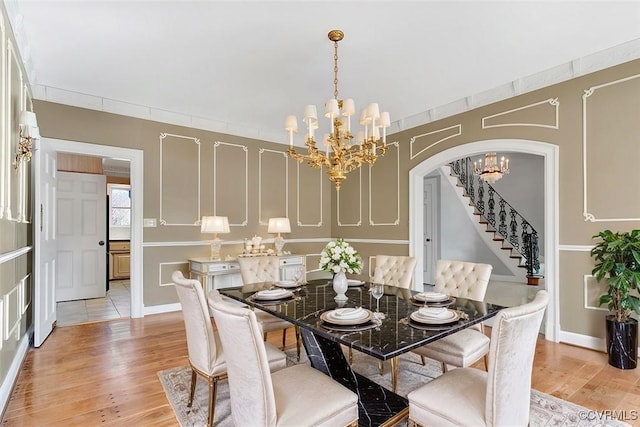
x=115 y=305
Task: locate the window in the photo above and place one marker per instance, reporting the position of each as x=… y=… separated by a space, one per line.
x=119 y=205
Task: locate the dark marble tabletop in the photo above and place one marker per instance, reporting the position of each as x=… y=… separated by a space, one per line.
x=393 y=336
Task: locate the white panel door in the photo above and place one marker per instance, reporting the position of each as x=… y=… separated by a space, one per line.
x=430 y=236
x=81 y=225
x=44 y=231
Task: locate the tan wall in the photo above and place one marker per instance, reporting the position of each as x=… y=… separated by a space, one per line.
x=373 y=205
x=610 y=119
x=189 y=173
x=16 y=282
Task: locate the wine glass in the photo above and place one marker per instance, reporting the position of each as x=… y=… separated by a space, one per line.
x=377 y=290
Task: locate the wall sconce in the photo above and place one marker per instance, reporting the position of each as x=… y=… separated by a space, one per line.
x=29 y=132
x=279 y=225
x=215 y=225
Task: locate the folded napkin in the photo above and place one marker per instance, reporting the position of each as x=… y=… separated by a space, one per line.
x=432 y=296
x=272 y=293
x=434 y=313
x=348 y=313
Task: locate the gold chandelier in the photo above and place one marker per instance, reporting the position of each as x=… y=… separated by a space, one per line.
x=492 y=171
x=342 y=154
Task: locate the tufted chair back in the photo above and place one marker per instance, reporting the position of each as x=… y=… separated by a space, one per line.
x=259 y=269
x=462 y=279
x=204 y=354
x=394 y=270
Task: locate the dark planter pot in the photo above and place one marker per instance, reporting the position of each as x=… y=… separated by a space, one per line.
x=622 y=343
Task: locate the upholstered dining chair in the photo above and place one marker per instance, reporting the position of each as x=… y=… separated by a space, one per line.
x=394 y=272
x=266 y=269
x=295 y=396
x=466 y=347
x=499 y=397
x=206 y=355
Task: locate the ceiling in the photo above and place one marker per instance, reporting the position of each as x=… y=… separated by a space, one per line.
x=241 y=67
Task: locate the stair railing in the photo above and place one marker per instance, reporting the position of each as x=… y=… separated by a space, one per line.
x=499 y=214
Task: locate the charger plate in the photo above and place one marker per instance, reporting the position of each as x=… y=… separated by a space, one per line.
x=454 y=316
x=330 y=318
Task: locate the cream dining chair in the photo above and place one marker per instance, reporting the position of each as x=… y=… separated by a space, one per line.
x=396 y=273
x=266 y=269
x=499 y=397
x=465 y=347
x=206 y=355
x=295 y=396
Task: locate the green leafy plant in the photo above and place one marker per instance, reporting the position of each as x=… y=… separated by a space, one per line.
x=617 y=257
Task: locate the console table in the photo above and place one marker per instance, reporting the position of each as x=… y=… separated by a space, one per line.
x=220 y=274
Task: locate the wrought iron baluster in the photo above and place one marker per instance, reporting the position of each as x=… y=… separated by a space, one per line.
x=491 y=215
x=480 y=201
x=513 y=224
x=502 y=215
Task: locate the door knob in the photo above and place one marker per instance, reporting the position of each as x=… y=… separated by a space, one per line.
x=427 y=240
x=101 y=242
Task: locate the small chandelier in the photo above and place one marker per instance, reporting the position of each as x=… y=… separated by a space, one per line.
x=342 y=154
x=491 y=171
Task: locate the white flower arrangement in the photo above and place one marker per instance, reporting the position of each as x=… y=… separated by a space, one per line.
x=339 y=256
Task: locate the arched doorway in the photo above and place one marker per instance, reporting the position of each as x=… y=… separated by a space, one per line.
x=550 y=154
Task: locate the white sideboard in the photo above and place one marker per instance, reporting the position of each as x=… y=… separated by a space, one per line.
x=225 y=274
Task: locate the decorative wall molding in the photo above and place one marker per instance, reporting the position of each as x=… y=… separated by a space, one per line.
x=551 y=101
x=321 y=177
x=455 y=130
x=196 y=220
x=15 y=191
x=216 y=144
x=25 y=295
x=359 y=222
x=160 y=265
x=576 y=248
x=4 y=137
x=587 y=93
x=586 y=285
x=12 y=311
x=397 y=220
x=8 y=256
x=261 y=220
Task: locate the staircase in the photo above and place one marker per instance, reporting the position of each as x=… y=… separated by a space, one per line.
x=509 y=229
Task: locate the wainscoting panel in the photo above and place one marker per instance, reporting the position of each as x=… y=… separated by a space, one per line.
x=179 y=180
x=545 y=112
x=5 y=149
x=309 y=195
x=421 y=143
x=384 y=179
x=15 y=104
x=607 y=172
x=231 y=182
x=13 y=310
x=166 y=269
x=273 y=185
x=349 y=209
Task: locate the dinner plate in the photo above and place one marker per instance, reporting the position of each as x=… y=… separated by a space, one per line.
x=287 y=284
x=444 y=303
x=431 y=297
x=453 y=316
x=272 y=295
x=354 y=282
x=330 y=317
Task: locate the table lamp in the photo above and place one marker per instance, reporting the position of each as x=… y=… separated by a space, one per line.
x=215 y=225
x=279 y=225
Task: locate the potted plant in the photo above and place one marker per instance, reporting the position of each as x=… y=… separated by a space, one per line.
x=617 y=257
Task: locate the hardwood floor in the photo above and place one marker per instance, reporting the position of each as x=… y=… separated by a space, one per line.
x=106 y=374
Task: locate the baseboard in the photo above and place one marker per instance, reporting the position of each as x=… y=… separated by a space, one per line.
x=14 y=370
x=580 y=340
x=163 y=308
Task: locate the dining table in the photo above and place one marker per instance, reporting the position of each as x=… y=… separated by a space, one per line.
x=309 y=306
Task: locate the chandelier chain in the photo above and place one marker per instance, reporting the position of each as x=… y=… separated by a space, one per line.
x=335 y=70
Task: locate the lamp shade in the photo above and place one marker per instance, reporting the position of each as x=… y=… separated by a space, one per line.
x=28 y=118
x=279 y=225
x=214 y=224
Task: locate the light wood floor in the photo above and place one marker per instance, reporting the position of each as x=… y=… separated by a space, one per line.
x=106 y=374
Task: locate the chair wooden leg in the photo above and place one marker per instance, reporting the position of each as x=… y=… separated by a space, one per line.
x=350 y=356
x=381 y=367
x=284 y=338
x=486 y=363
x=194 y=377
x=444 y=367
x=423 y=360
x=298 y=344
x=264 y=336
x=213 y=382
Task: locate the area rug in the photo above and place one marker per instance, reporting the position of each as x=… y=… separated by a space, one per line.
x=546 y=410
